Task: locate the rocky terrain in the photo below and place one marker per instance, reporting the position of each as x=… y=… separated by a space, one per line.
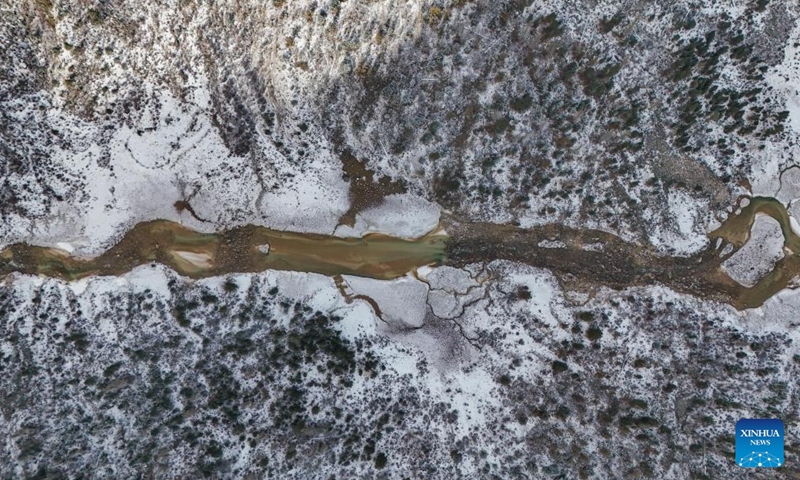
x=646 y=123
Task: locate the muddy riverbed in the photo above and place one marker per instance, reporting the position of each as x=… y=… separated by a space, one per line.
x=245 y=249
x=583 y=260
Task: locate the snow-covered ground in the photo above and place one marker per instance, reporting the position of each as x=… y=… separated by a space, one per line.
x=402 y=301
x=641 y=119
x=401 y=215
x=177 y=156
x=685 y=232
x=759 y=255
x=451 y=396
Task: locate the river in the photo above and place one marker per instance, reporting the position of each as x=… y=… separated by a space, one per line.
x=610 y=261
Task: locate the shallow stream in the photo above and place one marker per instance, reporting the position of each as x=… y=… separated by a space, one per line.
x=617 y=264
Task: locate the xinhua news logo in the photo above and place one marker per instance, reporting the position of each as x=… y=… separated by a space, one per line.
x=759 y=443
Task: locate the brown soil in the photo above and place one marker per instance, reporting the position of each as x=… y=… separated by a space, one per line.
x=365 y=190
x=622 y=264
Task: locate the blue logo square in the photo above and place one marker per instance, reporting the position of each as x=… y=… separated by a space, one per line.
x=759 y=443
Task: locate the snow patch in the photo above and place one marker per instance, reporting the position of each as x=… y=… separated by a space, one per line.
x=684 y=233
x=401 y=215
x=401 y=301
x=552 y=244
x=759 y=255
